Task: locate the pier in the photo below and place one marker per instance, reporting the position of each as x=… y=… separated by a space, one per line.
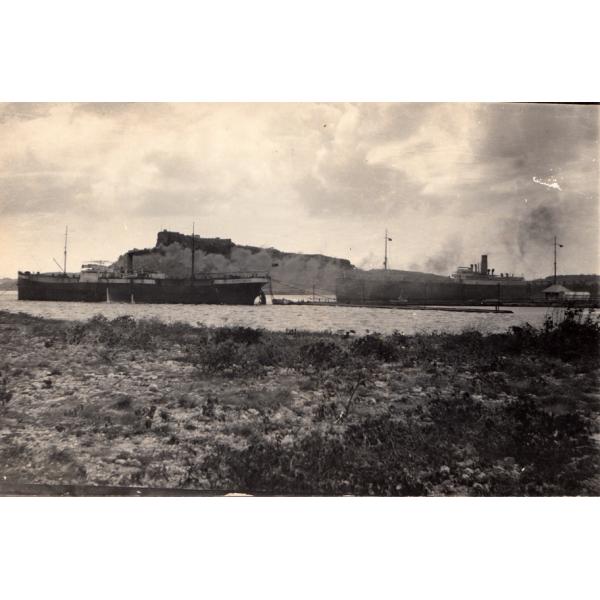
x=495 y=310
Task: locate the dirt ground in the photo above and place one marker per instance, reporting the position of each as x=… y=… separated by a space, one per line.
x=81 y=404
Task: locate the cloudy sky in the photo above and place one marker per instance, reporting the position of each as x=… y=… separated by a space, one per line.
x=449 y=181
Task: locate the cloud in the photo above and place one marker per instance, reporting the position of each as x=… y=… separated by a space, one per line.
x=23 y=111
x=43 y=194
x=315 y=177
x=551 y=183
x=347 y=174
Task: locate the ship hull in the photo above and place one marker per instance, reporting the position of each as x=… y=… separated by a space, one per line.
x=358 y=290
x=151 y=291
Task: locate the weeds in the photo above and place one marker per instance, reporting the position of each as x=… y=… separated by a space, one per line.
x=229 y=358
x=430 y=414
x=5 y=393
x=240 y=335
x=323 y=353
x=123 y=403
x=455 y=446
x=382 y=348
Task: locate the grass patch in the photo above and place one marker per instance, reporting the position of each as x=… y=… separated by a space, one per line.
x=430 y=414
x=453 y=446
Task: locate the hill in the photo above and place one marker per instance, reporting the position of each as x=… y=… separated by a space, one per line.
x=6 y=284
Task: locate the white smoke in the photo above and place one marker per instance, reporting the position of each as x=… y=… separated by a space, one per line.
x=549 y=183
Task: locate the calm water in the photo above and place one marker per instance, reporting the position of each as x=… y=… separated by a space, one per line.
x=280 y=318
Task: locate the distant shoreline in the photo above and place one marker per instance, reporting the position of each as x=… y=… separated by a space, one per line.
x=7 y=284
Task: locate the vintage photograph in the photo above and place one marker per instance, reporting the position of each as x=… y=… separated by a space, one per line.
x=299 y=299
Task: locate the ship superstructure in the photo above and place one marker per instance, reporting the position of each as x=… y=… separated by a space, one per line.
x=479 y=273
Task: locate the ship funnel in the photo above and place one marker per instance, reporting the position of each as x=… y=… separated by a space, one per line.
x=130 y=262
x=484 y=266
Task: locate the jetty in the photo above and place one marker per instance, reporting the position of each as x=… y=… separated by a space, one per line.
x=327 y=302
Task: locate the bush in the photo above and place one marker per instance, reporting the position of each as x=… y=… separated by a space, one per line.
x=229 y=358
x=240 y=335
x=5 y=394
x=323 y=354
x=376 y=346
x=576 y=334
x=120 y=332
x=451 y=446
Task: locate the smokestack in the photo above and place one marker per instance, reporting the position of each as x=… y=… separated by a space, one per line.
x=130 y=262
x=484 y=265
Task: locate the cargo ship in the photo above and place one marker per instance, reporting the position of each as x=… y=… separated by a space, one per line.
x=99 y=282
x=95 y=284
x=474 y=284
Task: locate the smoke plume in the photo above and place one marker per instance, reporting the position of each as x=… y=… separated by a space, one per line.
x=446 y=259
x=536 y=230
x=292 y=274
x=529 y=235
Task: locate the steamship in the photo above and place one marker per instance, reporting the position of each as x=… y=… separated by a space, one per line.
x=98 y=282
x=474 y=284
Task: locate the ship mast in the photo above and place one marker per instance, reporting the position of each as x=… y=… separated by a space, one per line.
x=560 y=246
x=65 y=253
x=385 y=260
x=193 y=247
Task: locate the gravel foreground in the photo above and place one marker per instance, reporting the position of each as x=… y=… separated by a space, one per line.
x=142 y=404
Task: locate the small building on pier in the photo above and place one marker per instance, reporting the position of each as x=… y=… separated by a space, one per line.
x=560 y=293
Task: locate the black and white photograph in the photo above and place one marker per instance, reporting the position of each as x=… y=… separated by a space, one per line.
x=389 y=299
x=299 y=300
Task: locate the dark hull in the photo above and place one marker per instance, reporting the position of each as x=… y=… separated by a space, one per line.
x=366 y=290
x=160 y=291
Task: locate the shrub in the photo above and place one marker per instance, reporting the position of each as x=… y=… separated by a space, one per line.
x=219 y=356
x=122 y=331
x=323 y=353
x=577 y=334
x=452 y=445
x=5 y=394
x=241 y=335
x=124 y=402
x=228 y=357
x=372 y=345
